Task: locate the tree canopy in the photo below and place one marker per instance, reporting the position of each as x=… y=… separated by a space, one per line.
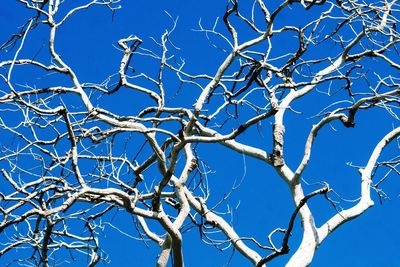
x=164 y=133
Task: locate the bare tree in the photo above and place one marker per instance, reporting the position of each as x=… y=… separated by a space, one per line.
x=68 y=163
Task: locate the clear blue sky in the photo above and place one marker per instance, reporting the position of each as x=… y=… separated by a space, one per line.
x=262 y=200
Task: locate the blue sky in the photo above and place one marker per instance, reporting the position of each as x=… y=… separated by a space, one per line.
x=87 y=42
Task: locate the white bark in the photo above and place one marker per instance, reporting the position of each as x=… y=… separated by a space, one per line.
x=90 y=161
